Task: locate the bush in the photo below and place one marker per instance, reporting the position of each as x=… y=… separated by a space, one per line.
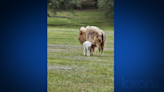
x=57 y=5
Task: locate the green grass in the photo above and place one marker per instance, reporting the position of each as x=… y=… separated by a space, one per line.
x=81 y=18
x=68 y=69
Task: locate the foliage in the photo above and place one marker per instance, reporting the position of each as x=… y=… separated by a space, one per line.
x=57 y=5
x=107 y=7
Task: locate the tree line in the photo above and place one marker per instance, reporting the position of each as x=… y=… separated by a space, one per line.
x=105 y=6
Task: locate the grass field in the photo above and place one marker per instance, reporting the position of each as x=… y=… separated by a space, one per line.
x=68 y=69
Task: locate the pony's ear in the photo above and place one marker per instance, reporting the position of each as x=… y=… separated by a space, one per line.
x=80 y=32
